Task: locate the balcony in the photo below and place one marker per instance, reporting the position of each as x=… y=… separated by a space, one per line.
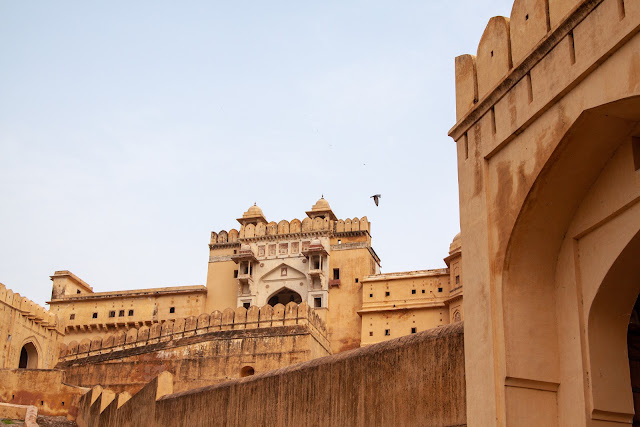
x=244 y=254
x=334 y=283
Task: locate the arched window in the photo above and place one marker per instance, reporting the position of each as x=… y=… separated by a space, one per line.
x=247 y=371
x=284 y=296
x=28 y=357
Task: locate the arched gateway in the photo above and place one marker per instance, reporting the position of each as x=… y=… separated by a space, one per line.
x=548 y=144
x=28 y=357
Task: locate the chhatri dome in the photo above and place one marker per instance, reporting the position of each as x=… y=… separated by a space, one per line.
x=252 y=215
x=321 y=209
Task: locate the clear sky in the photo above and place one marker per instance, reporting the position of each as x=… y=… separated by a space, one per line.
x=131 y=130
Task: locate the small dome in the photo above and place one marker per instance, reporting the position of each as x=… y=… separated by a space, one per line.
x=456 y=244
x=253 y=211
x=321 y=205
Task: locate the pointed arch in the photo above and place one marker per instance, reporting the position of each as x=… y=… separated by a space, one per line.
x=283 y=296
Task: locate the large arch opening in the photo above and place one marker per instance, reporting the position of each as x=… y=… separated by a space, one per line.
x=555 y=326
x=633 y=350
x=28 y=357
x=614 y=338
x=284 y=296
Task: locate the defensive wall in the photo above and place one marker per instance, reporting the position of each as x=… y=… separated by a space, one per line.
x=25 y=324
x=413 y=380
x=46 y=389
x=285 y=227
x=199 y=351
x=548 y=158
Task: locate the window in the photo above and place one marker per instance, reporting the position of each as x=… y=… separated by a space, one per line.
x=370 y=295
x=336 y=274
x=387 y=332
x=95 y=315
x=413 y=291
x=457 y=280
x=317 y=302
x=78 y=291
x=130 y=312
x=235 y=251
x=235 y=274
x=370 y=333
x=423 y=291
x=387 y=293
x=439 y=289
x=121 y=313
x=247 y=371
x=339 y=241
x=414 y=330
x=112 y=313
x=246 y=305
x=356 y=280
x=73 y=316
x=172 y=310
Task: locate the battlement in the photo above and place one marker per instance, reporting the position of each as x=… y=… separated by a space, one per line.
x=230 y=319
x=30 y=309
x=527 y=61
x=295 y=226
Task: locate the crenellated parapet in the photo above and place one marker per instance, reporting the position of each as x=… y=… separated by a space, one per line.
x=230 y=319
x=286 y=229
x=30 y=310
x=526 y=61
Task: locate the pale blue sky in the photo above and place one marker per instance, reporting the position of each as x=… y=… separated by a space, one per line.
x=130 y=130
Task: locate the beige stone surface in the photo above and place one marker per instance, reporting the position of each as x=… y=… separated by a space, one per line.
x=27 y=331
x=549 y=192
x=45 y=389
x=423 y=377
x=208 y=354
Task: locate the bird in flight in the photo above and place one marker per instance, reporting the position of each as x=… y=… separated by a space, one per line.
x=376 y=198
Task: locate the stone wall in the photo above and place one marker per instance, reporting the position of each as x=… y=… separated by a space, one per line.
x=199 y=351
x=46 y=389
x=25 y=323
x=413 y=380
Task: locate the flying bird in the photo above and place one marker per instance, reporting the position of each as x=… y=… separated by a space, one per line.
x=376 y=198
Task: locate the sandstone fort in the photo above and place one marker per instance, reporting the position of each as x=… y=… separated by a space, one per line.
x=534 y=322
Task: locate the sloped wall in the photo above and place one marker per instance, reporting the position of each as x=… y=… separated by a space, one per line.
x=200 y=351
x=413 y=380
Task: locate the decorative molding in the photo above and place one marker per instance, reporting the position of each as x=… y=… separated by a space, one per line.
x=531 y=384
x=225 y=245
x=616 y=417
x=220 y=258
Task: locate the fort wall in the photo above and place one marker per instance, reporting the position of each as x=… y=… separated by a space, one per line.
x=46 y=389
x=547 y=114
x=423 y=380
x=25 y=323
x=199 y=351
